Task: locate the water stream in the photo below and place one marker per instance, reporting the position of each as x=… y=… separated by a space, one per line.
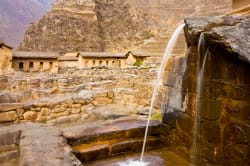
x=157 y=84
x=202 y=52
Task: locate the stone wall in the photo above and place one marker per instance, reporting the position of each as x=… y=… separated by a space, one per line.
x=112 y=62
x=75 y=94
x=68 y=63
x=222 y=128
x=35 y=65
x=67 y=108
x=5 y=58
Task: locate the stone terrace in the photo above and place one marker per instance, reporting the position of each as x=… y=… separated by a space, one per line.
x=74 y=95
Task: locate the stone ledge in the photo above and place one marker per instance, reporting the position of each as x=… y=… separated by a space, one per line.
x=10 y=106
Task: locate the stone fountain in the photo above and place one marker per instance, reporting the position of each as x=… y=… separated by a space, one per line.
x=224 y=112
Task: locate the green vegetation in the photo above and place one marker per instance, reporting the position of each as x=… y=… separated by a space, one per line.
x=138 y=63
x=148 y=34
x=156 y=116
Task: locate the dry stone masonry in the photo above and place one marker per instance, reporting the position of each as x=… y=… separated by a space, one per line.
x=224 y=108
x=74 y=95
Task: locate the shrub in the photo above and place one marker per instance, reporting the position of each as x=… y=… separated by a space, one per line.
x=137 y=63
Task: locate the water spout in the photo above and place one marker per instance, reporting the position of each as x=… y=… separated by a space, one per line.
x=166 y=55
x=202 y=51
x=168 y=50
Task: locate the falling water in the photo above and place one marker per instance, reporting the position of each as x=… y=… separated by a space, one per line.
x=167 y=52
x=202 y=51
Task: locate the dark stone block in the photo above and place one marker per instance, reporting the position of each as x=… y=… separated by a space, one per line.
x=236 y=133
x=210 y=132
x=180 y=65
x=185 y=123
x=9 y=138
x=239 y=110
x=169 y=116
x=210 y=154
x=171 y=80
x=210 y=109
x=9 y=155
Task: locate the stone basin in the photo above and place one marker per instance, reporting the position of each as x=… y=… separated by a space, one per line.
x=114 y=139
x=159 y=157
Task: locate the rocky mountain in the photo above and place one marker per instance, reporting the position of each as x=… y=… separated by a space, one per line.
x=15 y=15
x=108 y=25
x=86 y=25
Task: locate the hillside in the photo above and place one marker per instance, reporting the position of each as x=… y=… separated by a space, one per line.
x=15 y=15
x=90 y=25
x=113 y=25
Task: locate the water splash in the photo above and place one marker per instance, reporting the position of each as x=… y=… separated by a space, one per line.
x=202 y=51
x=167 y=52
x=134 y=163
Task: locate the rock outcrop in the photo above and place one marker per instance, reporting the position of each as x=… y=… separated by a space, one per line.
x=90 y=25
x=224 y=100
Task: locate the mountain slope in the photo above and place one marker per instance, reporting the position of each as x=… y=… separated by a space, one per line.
x=15 y=15
x=89 y=25
x=111 y=25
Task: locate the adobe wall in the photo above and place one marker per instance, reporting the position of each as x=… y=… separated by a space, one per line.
x=5 y=59
x=46 y=65
x=68 y=64
x=99 y=62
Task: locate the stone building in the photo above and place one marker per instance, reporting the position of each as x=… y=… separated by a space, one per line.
x=5 y=57
x=35 y=61
x=107 y=59
x=69 y=60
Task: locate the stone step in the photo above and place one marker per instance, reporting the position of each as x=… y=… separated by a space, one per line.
x=10 y=147
x=145 y=53
x=153 y=52
x=106 y=149
x=153 y=49
x=155 y=44
x=117 y=130
x=9 y=155
x=180 y=48
x=162 y=45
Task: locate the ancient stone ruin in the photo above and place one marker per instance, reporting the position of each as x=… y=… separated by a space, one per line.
x=97 y=115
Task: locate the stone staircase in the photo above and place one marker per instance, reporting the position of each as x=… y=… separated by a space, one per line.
x=155 y=48
x=118 y=138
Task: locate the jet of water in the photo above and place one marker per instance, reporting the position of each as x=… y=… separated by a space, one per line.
x=168 y=50
x=202 y=51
